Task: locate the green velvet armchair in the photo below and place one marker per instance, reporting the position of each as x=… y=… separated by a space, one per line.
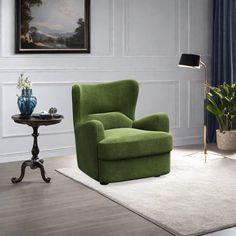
x=111 y=145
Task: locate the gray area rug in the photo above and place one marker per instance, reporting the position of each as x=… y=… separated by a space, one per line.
x=194 y=199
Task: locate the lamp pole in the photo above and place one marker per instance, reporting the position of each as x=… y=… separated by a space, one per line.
x=194 y=61
x=205 y=108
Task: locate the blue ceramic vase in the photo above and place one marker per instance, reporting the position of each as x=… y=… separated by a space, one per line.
x=26 y=102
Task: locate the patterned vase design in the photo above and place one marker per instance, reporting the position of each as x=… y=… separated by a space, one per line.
x=26 y=102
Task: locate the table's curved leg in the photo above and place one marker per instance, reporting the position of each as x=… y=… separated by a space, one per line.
x=35 y=162
x=43 y=173
x=15 y=180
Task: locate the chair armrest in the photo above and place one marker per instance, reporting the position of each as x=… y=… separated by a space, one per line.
x=87 y=136
x=91 y=131
x=155 y=122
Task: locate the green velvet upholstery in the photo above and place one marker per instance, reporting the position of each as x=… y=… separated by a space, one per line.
x=149 y=166
x=111 y=120
x=111 y=145
x=126 y=143
x=155 y=122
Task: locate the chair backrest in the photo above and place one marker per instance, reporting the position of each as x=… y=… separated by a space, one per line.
x=111 y=103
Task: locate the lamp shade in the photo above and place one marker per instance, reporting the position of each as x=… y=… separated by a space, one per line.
x=190 y=60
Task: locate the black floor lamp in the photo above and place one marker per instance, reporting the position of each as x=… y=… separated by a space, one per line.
x=194 y=61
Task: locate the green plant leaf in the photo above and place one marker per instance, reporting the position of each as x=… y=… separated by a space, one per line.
x=215 y=110
x=233 y=86
x=211 y=99
x=233 y=118
x=222 y=104
x=217 y=92
x=226 y=103
x=233 y=100
x=226 y=88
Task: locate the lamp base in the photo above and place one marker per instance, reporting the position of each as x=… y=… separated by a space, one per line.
x=209 y=155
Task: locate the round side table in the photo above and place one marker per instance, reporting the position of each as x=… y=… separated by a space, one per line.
x=35 y=121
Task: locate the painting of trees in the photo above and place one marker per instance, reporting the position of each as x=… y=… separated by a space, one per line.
x=52 y=26
x=77 y=40
x=26 y=15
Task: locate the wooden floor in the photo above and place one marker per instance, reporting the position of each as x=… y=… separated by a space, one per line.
x=65 y=207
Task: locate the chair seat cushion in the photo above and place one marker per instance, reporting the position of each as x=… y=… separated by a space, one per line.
x=126 y=143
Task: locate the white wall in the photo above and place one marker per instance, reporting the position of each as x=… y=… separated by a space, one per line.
x=130 y=39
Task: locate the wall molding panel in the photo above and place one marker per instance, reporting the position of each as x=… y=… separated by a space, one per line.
x=203 y=24
x=195 y=105
x=1 y=31
x=163 y=100
x=127 y=20
x=130 y=39
x=9 y=129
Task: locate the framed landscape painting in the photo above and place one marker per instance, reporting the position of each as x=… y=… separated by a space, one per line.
x=52 y=26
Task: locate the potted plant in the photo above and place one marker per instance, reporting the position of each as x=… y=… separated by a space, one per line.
x=26 y=102
x=222 y=104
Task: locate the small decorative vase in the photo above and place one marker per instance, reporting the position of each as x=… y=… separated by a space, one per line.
x=26 y=102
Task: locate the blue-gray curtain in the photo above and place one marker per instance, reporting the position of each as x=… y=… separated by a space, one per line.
x=223 y=51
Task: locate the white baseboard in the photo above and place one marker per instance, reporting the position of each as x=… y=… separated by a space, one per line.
x=47 y=153
x=189 y=140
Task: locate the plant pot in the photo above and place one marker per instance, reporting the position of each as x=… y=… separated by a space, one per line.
x=226 y=140
x=26 y=102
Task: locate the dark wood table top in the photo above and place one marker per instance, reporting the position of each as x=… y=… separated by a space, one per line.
x=37 y=119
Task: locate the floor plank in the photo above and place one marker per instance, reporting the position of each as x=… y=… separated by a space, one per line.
x=63 y=207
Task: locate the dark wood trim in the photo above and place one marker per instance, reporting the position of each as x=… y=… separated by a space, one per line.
x=34 y=121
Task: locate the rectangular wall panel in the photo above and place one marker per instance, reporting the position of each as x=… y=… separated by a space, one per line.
x=160 y=96
x=196 y=104
x=48 y=95
x=200 y=26
x=151 y=27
